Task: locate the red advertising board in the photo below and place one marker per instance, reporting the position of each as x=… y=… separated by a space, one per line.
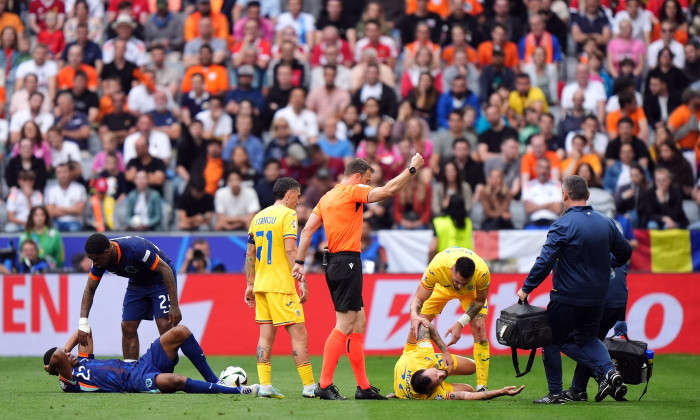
x=40 y=311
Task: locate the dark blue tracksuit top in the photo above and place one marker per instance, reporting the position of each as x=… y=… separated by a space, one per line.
x=581 y=247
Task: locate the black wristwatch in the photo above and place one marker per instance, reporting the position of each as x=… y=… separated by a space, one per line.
x=300 y=262
x=412 y=170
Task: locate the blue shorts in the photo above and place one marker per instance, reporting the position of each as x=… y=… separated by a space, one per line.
x=143 y=377
x=146 y=302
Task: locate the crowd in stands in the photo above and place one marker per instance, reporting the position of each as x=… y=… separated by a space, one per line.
x=147 y=115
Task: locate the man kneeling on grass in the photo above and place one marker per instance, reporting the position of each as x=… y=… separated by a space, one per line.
x=420 y=373
x=153 y=372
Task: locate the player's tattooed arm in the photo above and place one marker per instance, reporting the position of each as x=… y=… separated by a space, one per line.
x=422 y=294
x=250 y=264
x=478 y=303
x=432 y=333
x=486 y=395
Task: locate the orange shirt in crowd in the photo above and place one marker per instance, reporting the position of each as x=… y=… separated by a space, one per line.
x=66 y=75
x=218 y=22
x=448 y=55
x=215 y=79
x=441 y=7
x=613 y=118
x=213 y=172
x=678 y=118
x=11 y=19
x=591 y=159
x=341 y=212
x=529 y=163
x=485 y=54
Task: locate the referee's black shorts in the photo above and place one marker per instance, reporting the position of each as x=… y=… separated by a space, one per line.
x=344 y=279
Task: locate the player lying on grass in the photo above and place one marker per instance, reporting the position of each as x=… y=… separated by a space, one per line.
x=420 y=373
x=153 y=372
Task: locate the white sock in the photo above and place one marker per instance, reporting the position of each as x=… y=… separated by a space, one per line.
x=309 y=387
x=266 y=388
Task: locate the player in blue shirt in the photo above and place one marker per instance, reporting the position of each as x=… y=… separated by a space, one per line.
x=153 y=372
x=152 y=289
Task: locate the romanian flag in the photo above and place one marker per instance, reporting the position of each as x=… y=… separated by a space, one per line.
x=667 y=251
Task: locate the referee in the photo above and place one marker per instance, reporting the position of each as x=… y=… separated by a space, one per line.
x=340 y=211
x=581 y=246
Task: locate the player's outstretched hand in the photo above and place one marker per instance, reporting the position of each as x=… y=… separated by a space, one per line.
x=447 y=357
x=298 y=272
x=249 y=297
x=303 y=291
x=417 y=321
x=511 y=390
x=174 y=315
x=417 y=161
x=456 y=331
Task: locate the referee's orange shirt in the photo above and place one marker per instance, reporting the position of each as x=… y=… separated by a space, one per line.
x=341 y=212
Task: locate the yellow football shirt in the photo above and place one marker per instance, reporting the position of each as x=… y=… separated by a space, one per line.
x=439 y=273
x=268 y=230
x=423 y=356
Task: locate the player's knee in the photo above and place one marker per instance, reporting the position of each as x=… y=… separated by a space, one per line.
x=181 y=332
x=129 y=328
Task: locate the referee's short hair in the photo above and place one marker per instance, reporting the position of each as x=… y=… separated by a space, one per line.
x=421 y=383
x=282 y=185
x=576 y=187
x=465 y=267
x=97 y=243
x=358 y=166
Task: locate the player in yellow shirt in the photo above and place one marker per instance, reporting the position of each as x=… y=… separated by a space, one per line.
x=272 y=247
x=420 y=373
x=456 y=273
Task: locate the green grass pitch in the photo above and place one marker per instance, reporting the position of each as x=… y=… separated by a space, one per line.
x=27 y=392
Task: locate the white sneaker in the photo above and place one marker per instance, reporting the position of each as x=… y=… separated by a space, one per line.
x=270 y=392
x=309 y=391
x=250 y=389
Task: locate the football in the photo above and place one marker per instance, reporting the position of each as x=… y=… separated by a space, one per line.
x=234 y=376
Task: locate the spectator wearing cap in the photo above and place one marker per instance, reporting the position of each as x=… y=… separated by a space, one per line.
x=302 y=121
x=75 y=125
x=244 y=136
x=328 y=100
x=495 y=76
x=498 y=41
x=215 y=76
x=164 y=29
x=304 y=24
x=206 y=36
x=593 y=24
x=100 y=208
x=253 y=12
x=216 y=122
x=235 y=203
x=218 y=21
x=143 y=205
x=195 y=208
x=539 y=37
x=124 y=25
x=20 y=201
x=244 y=91
x=252 y=40
x=157 y=142
x=692 y=61
x=677 y=51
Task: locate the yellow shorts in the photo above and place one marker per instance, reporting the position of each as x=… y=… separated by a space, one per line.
x=278 y=309
x=438 y=299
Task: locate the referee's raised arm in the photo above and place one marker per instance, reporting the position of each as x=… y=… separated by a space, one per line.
x=397 y=183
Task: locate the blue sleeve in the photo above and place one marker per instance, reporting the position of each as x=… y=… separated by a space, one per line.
x=96 y=272
x=144 y=254
x=230 y=144
x=610 y=180
x=259 y=102
x=348 y=152
x=521 y=48
x=443 y=109
x=473 y=101
x=257 y=154
x=547 y=258
x=619 y=248
x=556 y=49
x=483 y=87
